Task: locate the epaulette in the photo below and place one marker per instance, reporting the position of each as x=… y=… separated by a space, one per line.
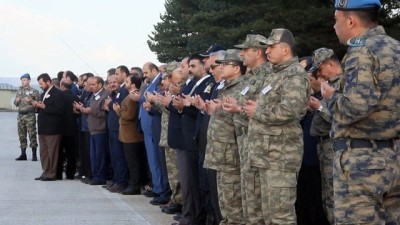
x=356 y=42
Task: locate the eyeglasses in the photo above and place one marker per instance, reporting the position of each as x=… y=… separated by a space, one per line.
x=214 y=66
x=229 y=63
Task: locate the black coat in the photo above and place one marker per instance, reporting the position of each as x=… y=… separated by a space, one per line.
x=50 y=119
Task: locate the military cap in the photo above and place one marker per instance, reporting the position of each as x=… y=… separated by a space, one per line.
x=232 y=55
x=211 y=49
x=172 y=66
x=26 y=75
x=253 y=41
x=281 y=35
x=357 y=5
x=319 y=56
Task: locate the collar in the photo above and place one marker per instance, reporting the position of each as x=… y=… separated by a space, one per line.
x=202 y=79
x=155 y=78
x=97 y=93
x=283 y=65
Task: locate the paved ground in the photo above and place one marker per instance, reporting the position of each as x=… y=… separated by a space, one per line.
x=24 y=201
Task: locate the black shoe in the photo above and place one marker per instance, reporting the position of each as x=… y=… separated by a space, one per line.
x=159 y=201
x=151 y=194
x=130 y=191
x=34 y=158
x=48 y=179
x=97 y=182
x=85 y=180
x=21 y=157
x=175 y=208
x=39 y=178
x=177 y=217
x=70 y=178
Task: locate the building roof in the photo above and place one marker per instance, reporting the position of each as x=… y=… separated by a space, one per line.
x=5 y=86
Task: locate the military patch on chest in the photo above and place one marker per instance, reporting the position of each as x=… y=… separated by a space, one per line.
x=208 y=88
x=356 y=42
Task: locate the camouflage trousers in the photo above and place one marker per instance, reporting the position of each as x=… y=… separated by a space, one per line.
x=366 y=183
x=230 y=197
x=250 y=186
x=325 y=155
x=278 y=195
x=173 y=175
x=27 y=125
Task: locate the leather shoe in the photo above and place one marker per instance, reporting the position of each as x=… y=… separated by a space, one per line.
x=39 y=178
x=21 y=157
x=117 y=188
x=151 y=194
x=174 y=208
x=48 y=179
x=158 y=201
x=130 y=191
x=97 y=182
x=177 y=217
x=85 y=180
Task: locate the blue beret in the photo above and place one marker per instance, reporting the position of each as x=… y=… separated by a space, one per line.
x=355 y=5
x=26 y=75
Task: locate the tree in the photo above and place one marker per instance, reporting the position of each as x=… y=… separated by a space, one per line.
x=191 y=26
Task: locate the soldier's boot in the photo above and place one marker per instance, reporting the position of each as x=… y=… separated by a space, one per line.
x=34 y=157
x=23 y=155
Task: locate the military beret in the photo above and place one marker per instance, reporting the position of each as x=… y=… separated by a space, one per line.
x=281 y=35
x=357 y=5
x=319 y=56
x=232 y=55
x=26 y=75
x=172 y=66
x=211 y=49
x=253 y=41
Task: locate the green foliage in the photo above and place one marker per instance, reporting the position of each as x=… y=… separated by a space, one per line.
x=191 y=26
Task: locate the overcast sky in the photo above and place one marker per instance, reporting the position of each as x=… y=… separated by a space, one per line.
x=104 y=33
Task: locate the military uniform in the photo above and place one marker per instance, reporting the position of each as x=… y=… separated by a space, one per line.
x=320 y=127
x=365 y=125
x=27 y=119
x=248 y=90
x=222 y=154
x=275 y=139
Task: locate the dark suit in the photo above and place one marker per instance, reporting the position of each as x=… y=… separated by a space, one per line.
x=50 y=129
x=188 y=158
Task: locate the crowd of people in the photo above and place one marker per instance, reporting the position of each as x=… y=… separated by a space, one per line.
x=247 y=135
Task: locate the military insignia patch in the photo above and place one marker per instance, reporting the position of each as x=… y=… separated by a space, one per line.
x=356 y=42
x=208 y=88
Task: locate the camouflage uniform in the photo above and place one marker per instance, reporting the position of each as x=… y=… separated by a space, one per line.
x=222 y=155
x=366 y=170
x=27 y=117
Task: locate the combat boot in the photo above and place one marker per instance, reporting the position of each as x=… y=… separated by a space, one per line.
x=34 y=157
x=23 y=155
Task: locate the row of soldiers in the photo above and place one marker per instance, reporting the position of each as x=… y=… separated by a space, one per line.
x=223 y=136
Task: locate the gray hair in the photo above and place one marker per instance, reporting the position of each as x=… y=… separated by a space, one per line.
x=221 y=54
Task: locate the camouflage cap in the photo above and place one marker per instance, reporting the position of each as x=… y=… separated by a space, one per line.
x=172 y=66
x=357 y=5
x=281 y=35
x=253 y=41
x=232 y=55
x=319 y=56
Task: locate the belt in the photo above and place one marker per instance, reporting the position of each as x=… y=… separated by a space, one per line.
x=323 y=138
x=25 y=112
x=341 y=144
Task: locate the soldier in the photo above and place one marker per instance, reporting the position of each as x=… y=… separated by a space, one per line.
x=327 y=67
x=275 y=140
x=222 y=152
x=366 y=169
x=254 y=57
x=26 y=116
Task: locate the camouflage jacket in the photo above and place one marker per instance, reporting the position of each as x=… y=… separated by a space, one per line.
x=164 y=126
x=249 y=89
x=222 y=150
x=322 y=120
x=26 y=92
x=369 y=106
x=275 y=135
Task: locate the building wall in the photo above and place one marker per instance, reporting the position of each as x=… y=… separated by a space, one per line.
x=7 y=99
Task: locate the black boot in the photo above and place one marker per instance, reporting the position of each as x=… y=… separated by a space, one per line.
x=34 y=157
x=23 y=155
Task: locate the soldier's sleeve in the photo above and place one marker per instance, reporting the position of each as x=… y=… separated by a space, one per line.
x=325 y=114
x=293 y=104
x=361 y=93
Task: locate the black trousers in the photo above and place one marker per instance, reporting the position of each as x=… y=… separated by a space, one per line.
x=308 y=205
x=84 y=154
x=67 y=152
x=135 y=156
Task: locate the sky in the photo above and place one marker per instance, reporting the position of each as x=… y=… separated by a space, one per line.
x=48 y=36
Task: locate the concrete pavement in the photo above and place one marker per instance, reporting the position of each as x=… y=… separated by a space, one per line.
x=24 y=201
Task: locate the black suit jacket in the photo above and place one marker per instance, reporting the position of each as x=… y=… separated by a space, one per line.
x=70 y=118
x=50 y=119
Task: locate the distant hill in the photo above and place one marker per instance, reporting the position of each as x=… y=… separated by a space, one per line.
x=16 y=82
